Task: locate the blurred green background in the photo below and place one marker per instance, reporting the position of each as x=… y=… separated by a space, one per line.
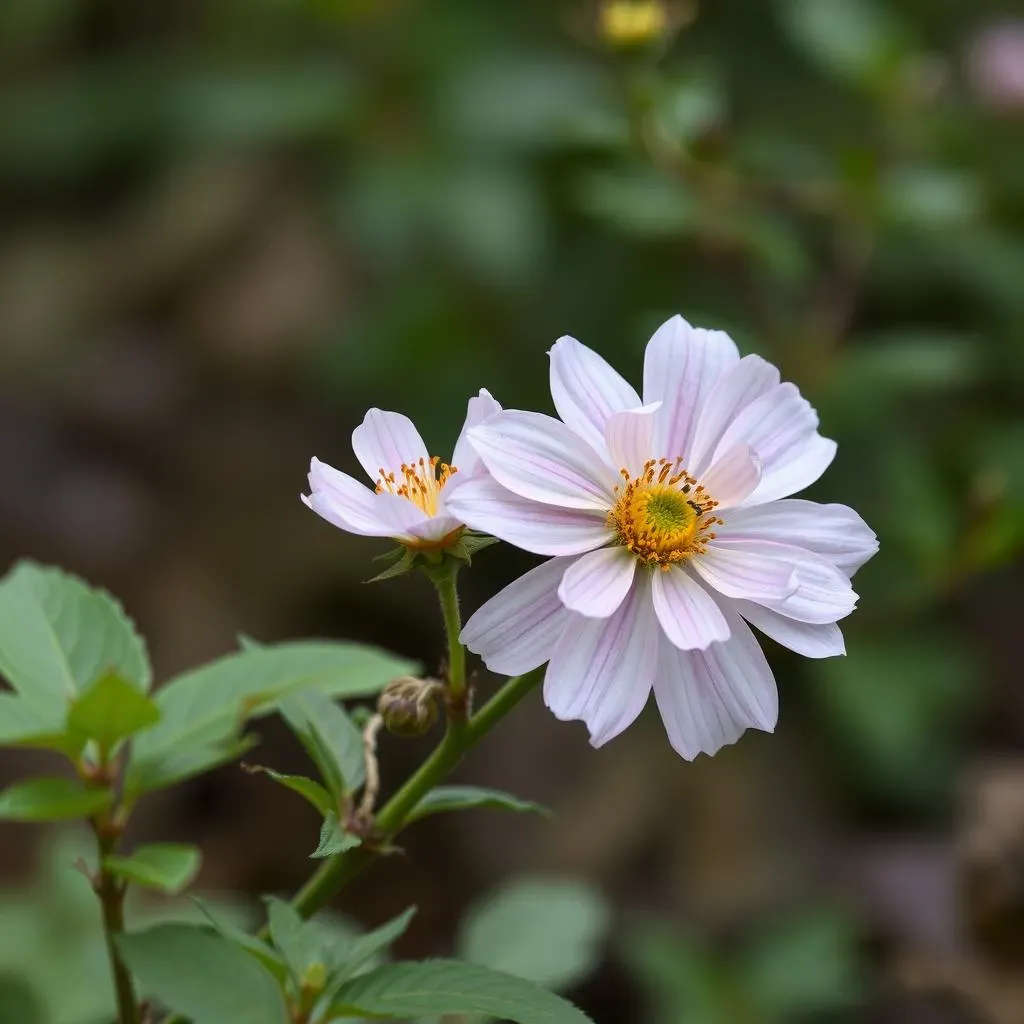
x=229 y=226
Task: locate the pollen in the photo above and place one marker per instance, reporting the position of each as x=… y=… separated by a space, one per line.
x=419 y=482
x=663 y=515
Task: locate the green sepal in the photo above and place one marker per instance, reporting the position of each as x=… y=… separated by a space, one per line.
x=334 y=839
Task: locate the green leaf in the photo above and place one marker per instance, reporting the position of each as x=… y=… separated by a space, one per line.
x=19 y=1002
x=463 y=798
x=167 y=867
x=333 y=838
x=363 y=949
x=176 y=765
x=252 y=945
x=57 y=635
x=22 y=726
x=110 y=711
x=203 y=976
x=307 y=788
x=546 y=931
x=301 y=943
x=409 y=990
x=205 y=708
x=330 y=738
x=51 y=800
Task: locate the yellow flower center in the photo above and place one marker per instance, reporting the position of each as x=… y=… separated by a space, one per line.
x=663 y=515
x=632 y=22
x=420 y=482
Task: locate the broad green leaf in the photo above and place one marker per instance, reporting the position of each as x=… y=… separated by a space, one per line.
x=333 y=838
x=548 y=932
x=19 y=1002
x=110 y=711
x=168 y=867
x=175 y=765
x=203 y=975
x=363 y=949
x=57 y=636
x=300 y=942
x=51 y=800
x=205 y=707
x=22 y=726
x=307 y=788
x=410 y=990
x=462 y=798
x=252 y=945
x=331 y=740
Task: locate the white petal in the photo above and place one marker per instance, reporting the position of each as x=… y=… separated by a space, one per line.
x=681 y=365
x=836 y=532
x=688 y=614
x=745 y=574
x=750 y=378
x=586 y=390
x=601 y=669
x=539 y=457
x=387 y=440
x=484 y=505
x=812 y=640
x=629 y=437
x=822 y=593
x=597 y=583
x=403 y=515
x=480 y=408
x=799 y=472
x=734 y=476
x=435 y=528
x=344 y=502
x=517 y=629
x=707 y=699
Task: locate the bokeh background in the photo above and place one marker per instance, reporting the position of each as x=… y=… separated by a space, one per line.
x=229 y=226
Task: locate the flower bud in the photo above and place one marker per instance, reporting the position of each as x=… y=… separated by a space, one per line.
x=628 y=23
x=408 y=705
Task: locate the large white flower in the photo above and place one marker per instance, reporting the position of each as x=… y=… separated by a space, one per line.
x=409 y=499
x=670 y=525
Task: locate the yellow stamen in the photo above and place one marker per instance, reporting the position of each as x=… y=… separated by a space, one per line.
x=420 y=482
x=663 y=515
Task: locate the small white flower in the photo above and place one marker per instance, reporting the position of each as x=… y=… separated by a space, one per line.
x=665 y=520
x=409 y=499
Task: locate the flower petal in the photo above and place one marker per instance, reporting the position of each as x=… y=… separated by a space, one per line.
x=835 y=532
x=628 y=435
x=539 y=457
x=597 y=583
x=799 y=472
x=707 y=699
x=344 y=502
x=687 y=612
x=812 y=640
x=435 y=528
x=745 y=574
x=479 y=409
x=681 y=365
x=484 y=505
x=601 y=669
x=586 y=390
x=387 y=440
x=734 y=476
x=403 y=515
x=750 y=378
x=517 y=629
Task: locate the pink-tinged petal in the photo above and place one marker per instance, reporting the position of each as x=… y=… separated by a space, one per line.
x=799 y=472
x=323 y=505
x=597 y=583
x=401 y=514
x=750 y=378
x=344 y=502
x=835 y=532
x=734 y=476
x=435 y=528
x=688 y=614
x=586 y=390
x=744 y=574
x=387 y=440
x=517 y=629
x=484 y=505
x=822 y=592
x=480 y=409
x=707 y=699
x=539 y=457
x=628 y=438
x=601 y=669
x=812 y=640
x=681 y=366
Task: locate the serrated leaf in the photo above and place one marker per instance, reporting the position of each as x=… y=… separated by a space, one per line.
x=203 y=976
x=301 y=943
x=543 y=930
x=329 y=737
x=410 y=990
x=51 y=800
x=22 y=726
x=206 y=707
x=250 y=943
x=166 y=867
x=333 y=838
x=307 y=788
x=110 y=711
x=463 y=798
x=58 y=635
x=362 y=949
x=177 y=765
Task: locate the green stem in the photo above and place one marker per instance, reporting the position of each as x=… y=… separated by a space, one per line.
x=111 y=893
x=448 y=595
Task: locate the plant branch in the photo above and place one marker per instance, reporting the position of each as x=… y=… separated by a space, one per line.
x=458 y=698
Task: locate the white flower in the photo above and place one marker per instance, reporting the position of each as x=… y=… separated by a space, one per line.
x=668 y=530
x=409 y=499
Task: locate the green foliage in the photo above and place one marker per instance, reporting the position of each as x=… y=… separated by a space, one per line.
x=311 y=791
x=110 y=711
x=463 y=798
x=51 y=800
x=166 y=867
x=334 y=839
